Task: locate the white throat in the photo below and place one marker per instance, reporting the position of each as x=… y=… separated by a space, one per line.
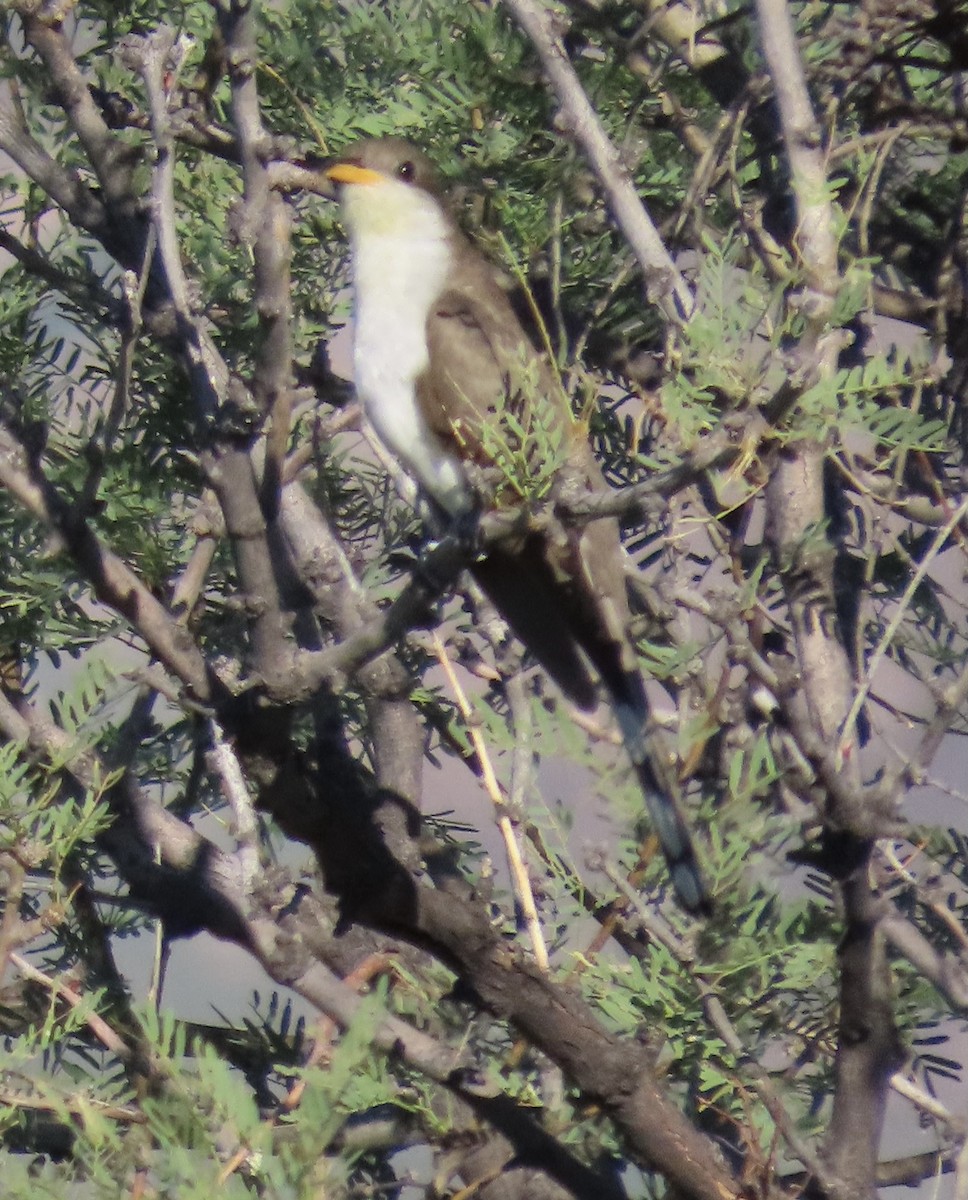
x=401 y=257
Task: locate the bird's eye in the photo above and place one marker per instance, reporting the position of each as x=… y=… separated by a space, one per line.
x=406 y=171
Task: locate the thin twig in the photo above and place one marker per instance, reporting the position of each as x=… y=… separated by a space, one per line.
x=228 y=770
x=97 y=1025
x=81 y=1107
x=665 y=283
x=158 y=57
x=519 y=874
x=927 y=1103
x=133 y=288
x=111 y=579
x=719 y=1020
x=266 y=221
x=894 y=624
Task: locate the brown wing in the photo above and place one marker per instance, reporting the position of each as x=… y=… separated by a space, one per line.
x=482 y=364
x=558 y=593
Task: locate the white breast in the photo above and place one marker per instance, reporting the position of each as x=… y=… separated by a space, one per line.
x=399 y=268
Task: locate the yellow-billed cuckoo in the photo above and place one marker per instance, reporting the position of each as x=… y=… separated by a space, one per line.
x=447 y=378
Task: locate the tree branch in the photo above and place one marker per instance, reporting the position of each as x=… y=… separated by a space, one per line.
x=113 y=582
x=665 y=284
x=265 y=223
x=868 y=1051
x=63 y=186
x=108 y=155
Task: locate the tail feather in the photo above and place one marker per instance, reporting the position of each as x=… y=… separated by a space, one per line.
x=563 y=624
x=523 y=590
x=667 y=821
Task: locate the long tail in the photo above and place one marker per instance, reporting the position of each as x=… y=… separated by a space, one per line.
x=632 y=712
x=553 y=622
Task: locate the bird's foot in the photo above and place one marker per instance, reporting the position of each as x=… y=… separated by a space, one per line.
x=465 y=529
x=445 y=557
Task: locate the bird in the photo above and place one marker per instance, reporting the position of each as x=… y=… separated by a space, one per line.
x=473 y=412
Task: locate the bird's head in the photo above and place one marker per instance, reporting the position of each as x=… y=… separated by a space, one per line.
x=388 y=187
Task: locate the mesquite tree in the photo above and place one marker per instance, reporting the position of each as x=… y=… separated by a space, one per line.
x=233 y=663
